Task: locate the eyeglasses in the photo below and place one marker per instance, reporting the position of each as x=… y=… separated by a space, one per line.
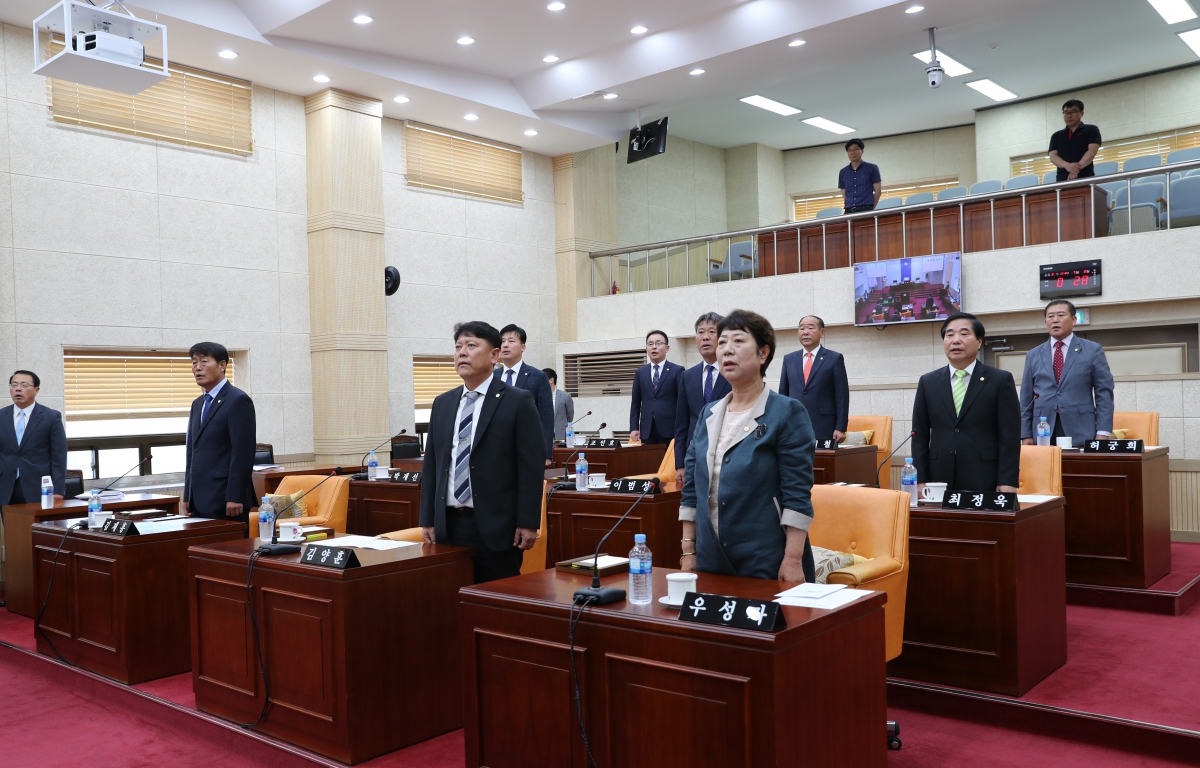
x=656 y=343
x=1072 y=112
x=21 y=385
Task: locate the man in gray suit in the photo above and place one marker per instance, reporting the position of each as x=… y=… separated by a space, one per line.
x=1066 y=380
x=564 y=406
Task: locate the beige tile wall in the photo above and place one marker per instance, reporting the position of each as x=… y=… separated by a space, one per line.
x=680 y=193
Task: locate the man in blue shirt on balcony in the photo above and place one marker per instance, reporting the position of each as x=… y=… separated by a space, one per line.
x=859 y=182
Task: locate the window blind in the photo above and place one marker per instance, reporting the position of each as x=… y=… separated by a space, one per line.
x=806 y=208
x=191 y=107
x=432 y=376
x=100 y=384
x=602 y=374
x=437 y=158
x=1134 y=146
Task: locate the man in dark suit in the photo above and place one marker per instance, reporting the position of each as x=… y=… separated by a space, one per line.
x=515 y=373
x=220 y=441
x=564 y=405
x=33 y=444
x=966 y=417
x=655 y=388
x=816 y=376
x=482 y=481
x=701 y=385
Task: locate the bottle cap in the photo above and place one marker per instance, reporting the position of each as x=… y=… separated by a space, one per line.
x=639 y=538
x=581 y=455
x=266 y=500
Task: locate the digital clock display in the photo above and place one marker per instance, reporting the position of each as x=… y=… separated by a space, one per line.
x=1074 y=278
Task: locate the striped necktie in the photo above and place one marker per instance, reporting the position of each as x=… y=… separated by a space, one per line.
x=462 y=461
x=708 y=384
x=959 y=390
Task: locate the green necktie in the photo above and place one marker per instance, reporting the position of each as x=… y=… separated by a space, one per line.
x=959 y=390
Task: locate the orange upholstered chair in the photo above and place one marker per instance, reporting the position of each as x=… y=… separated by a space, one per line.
x=1139 y=425
x=872 y=523
x=666 y=470
x=1041 y=470
x=881 y=439
x=327 y=505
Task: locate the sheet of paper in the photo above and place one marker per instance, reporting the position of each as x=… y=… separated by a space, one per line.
x=1033 y=498
x=811 y=590
x=367 y=542
x=603 y=562
x=267 y=467
x=827 y=603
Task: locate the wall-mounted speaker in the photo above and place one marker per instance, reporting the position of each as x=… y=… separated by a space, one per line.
x=391 y=280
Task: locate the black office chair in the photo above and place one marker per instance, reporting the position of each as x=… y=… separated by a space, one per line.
x=264 y=453
x=74 y=484
x=406 y=447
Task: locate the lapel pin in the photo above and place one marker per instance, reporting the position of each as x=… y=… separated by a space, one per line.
x=497 y=394
x=981 y=378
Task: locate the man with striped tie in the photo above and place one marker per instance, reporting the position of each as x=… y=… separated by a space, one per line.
x=481 y=484
x=966 y=417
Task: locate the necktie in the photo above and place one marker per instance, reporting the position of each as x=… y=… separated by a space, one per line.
x=708 y=383
x=959 y=390
x=654 y=382
x=20 y=426
x=509 y=374
x=462 y=463
x=807 y=365
x=1058 y=361
x=204 y=408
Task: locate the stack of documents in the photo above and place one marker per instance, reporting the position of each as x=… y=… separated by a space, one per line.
x=268 y=468
x=110 y=495
x=823 y=596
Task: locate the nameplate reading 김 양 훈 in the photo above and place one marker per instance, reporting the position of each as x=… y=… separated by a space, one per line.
x=725 y=611
x=981 y=501
x=1114 y=446
x=326 y=556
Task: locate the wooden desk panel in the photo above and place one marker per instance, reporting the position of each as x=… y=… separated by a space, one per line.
x=660 y=692
x=853 y=464
x=986 y=605
x=1118 y=518
x=359 y=662
x=118 y=606
x=19 y=520
x=382 y=507
x=577 y=520
x=614 y=462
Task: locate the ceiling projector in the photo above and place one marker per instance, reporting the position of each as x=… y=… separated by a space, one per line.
x=109 y=46
x=101 y=45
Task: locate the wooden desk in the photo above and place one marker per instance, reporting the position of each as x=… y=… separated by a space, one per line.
x=1118 y=518
x=408 y=465
x=118 y=606
x=665 y=693
x=19 y=520
x=359 y=662
x=852 y=464
x=987 y=598
x=614 y=462
x=577 y=520
x=268 y=480
x=382 y=507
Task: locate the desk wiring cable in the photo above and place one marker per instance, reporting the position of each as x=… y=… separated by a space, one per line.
x=257 y=642
x=37 y=624
x=582 y=603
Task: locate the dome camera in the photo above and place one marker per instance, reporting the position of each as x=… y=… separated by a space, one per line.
x=934 y=72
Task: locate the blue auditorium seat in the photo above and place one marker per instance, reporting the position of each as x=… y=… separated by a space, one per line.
x=920 y=197
x=951 y=193
x=1021 y=182
x=1103 y=169
x=984 y=187
x=825 y=213
x=1141 y=163
x=889 y=202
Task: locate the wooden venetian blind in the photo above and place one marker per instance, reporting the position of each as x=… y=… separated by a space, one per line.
x=102 y=384
x=437 y=158
x=191 y=107
x=806 y=208
x=432 y=376
x=602 y=374
x=1134 y=146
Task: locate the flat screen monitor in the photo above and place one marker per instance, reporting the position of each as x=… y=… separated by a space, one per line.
x=914 y=290
x=647 y=141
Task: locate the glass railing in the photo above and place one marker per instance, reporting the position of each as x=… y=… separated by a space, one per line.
x=1165 y=197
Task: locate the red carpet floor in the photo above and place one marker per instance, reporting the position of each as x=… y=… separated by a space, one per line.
x=1185 y=565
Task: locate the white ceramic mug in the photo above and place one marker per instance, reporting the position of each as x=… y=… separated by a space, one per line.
x=1063 y=442
x=678 y=585
x=597 y=480
x=289 y=531
x=933 y=492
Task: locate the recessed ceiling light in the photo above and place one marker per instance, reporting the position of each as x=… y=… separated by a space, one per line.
x=401 y=99
x=638 y=30
x=610 y=96
x=363 y=19
x=1173 y=11
x=952 y=67
x=321 y=79
x=696 y=72
x=1192 y=38
x=762 y=102
x=227 y=55
x=531 y=132
x=827 y=125
x=914 y=9
x=465 y=40
x=993 y=91
x=555 y=6
x=550 y=59
x=795 y=43
x=470 y=116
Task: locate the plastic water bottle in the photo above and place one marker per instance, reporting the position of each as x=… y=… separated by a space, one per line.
x=1043 y=431
x=908 y=479
x=266 y=519
x=641 y=586
x=581 y=473
x=94 y=507
x=570 y=436
x=372 y=465
x=47 y=492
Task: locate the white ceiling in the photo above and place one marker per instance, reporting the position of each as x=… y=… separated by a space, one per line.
x=856 y=67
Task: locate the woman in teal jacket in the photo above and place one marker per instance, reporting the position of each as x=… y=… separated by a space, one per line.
x=746 y=505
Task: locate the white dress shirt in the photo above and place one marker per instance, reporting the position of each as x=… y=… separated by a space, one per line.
x=455 y=447
x=970 y=369
x=516 y=369
x=1067 y=342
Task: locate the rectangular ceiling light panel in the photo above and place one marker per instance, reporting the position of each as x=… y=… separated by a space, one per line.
x=1173 y=11
x=1192 y=38
x=992 y=91
x=762 y=102
x=952 y=67
x=828 y=125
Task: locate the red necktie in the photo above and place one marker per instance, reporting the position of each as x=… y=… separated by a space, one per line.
x=1058 y=361
x=807 y=365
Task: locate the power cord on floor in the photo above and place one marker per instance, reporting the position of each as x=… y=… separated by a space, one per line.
x=37 y=624
x=257 y=642
x=582 y=603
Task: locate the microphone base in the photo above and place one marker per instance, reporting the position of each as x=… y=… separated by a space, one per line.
x=279 y=549
x=600 y=595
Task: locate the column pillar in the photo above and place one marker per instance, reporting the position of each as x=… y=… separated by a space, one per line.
x=345 y=268
x=585 y=220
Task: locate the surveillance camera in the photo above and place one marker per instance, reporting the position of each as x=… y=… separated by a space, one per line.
x=934 y=72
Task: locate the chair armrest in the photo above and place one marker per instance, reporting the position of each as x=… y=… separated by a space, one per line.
x=408 y=534
x=862 y=573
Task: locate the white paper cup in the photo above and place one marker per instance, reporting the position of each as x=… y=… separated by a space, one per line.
x=100 y=517
x=1063 y=442
x=678 y=585
x=289 y=531
x=933 y=492
x=597 y=480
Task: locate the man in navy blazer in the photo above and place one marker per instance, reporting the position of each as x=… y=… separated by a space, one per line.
x=655 y=388
x=701 y=385
x=816 y=376
x=220 y=442
x=515 y=373
x=1067 y=380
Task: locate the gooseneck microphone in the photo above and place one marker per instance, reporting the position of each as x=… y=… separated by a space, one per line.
x=595 y=594
x=911 y=435
x=578 y=448
x=581 y=418
x=275 y=548
x=362 y=465
x=122 y=477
